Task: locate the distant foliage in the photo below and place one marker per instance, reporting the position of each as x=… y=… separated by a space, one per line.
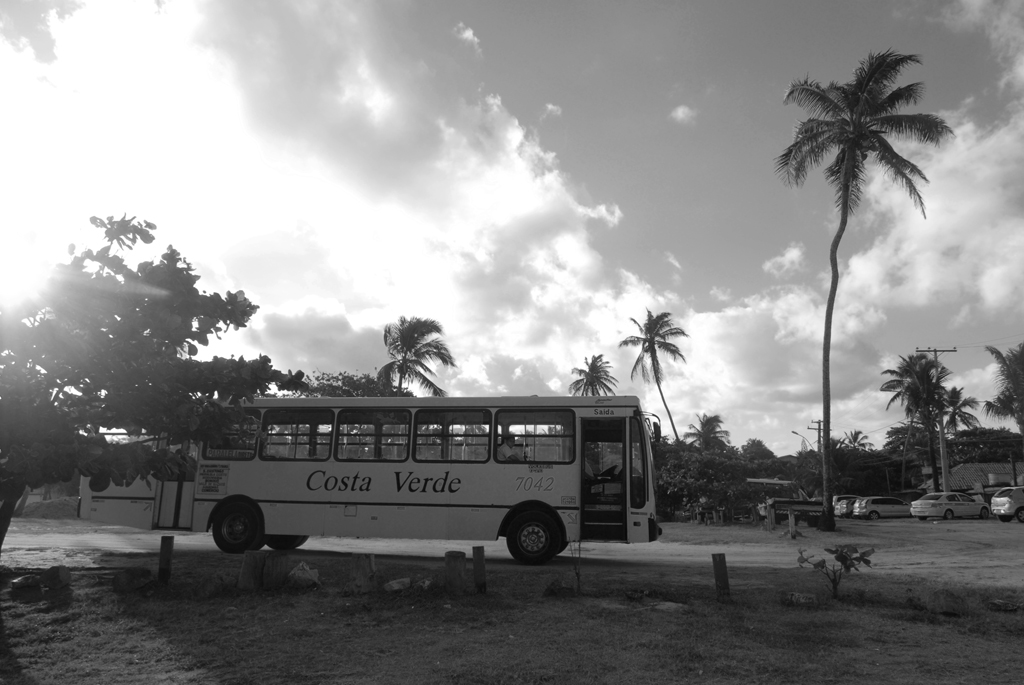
x=984 y=445
x=686 y=478
x=345 y=384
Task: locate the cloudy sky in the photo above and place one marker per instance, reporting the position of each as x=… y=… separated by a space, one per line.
x=532 y=175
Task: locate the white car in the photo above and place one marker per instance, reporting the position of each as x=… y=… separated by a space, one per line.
x=874 y=508
x=1008 y=504
x=844 y=504
x=948 y=505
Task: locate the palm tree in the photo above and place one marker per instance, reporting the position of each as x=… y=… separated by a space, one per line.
x=653 y=340
x=857 y=440
x=957 y=415
x=411 y=343
x=708 y=433
x=853 y=119
x=918 y=383
x=595 y=379
x=1009 y=400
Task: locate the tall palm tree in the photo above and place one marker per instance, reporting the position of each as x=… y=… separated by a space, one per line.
x=918 y=383
x=957 y=406
x=853 y=119
x=1009 y=400
x=411 y=343
x=595 y=378
x=857 y=440
x=655 y=333
x=708 y=433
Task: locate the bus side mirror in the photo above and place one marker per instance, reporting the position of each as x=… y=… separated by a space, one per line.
x=657 y=432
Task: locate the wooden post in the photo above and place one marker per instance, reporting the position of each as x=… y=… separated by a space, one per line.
x=479 y=572
x=792 y=525
x=166 y=550
x=721 y=577
x=770 y=518
x=251 y=575
x=455 y=572
x=363 y=573
x=275 y=570
x=755 y=516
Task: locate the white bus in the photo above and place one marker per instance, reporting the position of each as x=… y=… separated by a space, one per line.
x=540 y=471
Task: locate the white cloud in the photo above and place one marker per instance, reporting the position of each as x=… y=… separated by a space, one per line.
x=671 y=259
x=466 y=35
x=789 y=262
x=970 y=244
x=683 y=114
x=1003 y=21
x=551 y=110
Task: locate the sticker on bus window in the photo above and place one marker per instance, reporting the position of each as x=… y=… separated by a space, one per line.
x=213 y=479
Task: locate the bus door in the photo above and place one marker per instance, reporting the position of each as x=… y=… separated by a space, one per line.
x=127 y=505
x=174 y=496
x=604 y=473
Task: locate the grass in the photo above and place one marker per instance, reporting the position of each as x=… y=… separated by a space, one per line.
x=649 y=626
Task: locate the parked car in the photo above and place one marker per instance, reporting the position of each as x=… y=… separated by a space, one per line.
x=843 y=504
x=1008 y=504
x=948 y=505
x=880 y=507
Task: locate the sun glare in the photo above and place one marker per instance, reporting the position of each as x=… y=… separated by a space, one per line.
x=20 y=279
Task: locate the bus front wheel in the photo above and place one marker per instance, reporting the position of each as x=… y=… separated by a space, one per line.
x=237 y=527
x=533 y=538
x=285 y=542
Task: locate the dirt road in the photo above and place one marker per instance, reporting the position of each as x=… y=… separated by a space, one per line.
x=969 y=551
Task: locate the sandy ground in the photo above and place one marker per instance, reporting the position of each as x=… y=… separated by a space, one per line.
x=974 y=552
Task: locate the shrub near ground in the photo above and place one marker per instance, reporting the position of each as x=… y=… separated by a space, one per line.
x=635 y=625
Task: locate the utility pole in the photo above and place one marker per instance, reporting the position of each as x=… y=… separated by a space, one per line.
x=817 y=429
x=942 y=428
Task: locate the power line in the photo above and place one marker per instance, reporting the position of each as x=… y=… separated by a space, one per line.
x=984 y=343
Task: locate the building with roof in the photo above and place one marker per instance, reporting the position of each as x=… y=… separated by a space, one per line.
x=978 y=479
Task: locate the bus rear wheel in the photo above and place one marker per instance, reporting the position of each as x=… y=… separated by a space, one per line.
x=533 y=538
x=237 y=527
x=285 y=542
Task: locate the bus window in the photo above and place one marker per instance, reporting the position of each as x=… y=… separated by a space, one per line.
x=546 y=435
x=239 y=443
x=291 y=434
x=452 y=435
x=372 y=435
x=638 y=466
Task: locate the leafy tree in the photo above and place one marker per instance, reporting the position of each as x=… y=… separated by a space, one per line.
x=655 y=334
x=708 y=434
x=754 y=450
x=859 y=469
x=411 y=343
x=595 y=378
x=716 y=478
x=854 y=119
x=918 y=383
x=1009 y=400
x=344 y=384
x=110 y=347
x=984 y=445
x=903 y=440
